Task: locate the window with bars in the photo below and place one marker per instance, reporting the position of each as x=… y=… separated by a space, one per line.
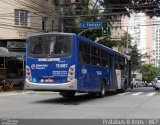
x=21 y=17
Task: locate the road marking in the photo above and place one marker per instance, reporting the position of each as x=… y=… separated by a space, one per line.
x=138 y=93
x=124 y=93
x=151 y=94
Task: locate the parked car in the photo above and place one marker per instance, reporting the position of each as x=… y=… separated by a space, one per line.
x=150 y=84
x=157 y=83
x=136 y=82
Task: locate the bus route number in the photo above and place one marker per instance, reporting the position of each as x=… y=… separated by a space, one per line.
x=61 y=65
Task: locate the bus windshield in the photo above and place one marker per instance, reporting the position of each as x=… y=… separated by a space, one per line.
x=55 y=46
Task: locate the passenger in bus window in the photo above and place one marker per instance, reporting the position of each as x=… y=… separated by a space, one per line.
x=38 y=49
x=57 y=49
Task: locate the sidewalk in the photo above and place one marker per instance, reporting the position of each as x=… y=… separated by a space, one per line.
x=25 y=92
x=16 y=92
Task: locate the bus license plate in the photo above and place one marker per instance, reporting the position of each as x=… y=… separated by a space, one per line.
x=48 y=80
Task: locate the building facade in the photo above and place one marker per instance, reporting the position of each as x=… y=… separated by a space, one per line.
x=156 y=42
x=18 y=19
x=143 y=32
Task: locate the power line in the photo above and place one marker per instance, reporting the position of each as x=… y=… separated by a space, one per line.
x=119 y=26
x=27 y=27
x=29 y=6
x=17 y=27
x=14 y=20
x=26 y=6
x=131 y=4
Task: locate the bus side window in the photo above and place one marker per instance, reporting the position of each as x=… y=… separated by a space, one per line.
x=104 y=58
x=121 y=64
x=86 y=59
x=84 y=52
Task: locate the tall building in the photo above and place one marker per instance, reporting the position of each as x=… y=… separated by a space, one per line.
x=156 y=42
x=143 y=33
x=20 y=18
x=138 y=31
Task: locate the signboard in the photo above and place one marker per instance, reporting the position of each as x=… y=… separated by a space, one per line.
x=20 y=57
x=90 y=24
x=16 y=44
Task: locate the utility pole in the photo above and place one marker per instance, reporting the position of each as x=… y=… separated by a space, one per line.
x=66 y=9
x=127 y=42
x=61 y=9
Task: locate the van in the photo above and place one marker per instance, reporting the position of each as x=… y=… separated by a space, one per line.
x=136 y=82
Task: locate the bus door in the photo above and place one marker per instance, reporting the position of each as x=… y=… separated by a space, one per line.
x=112 y=72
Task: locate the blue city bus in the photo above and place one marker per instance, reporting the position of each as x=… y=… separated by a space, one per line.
x=69 y=63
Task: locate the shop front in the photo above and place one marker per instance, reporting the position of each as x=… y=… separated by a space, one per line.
x=12 y=61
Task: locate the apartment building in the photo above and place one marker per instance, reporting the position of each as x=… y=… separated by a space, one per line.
x=18 y=19
x=156 y=42
x=141 y=30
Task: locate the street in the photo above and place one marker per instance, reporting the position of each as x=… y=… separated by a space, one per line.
x=141 y=103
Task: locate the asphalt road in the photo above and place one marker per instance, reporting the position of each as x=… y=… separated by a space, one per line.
x=138 y=103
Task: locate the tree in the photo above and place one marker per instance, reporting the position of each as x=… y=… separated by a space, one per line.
x=125 y=7
x=135 y=58
x=125 y=40
x=149 y=72
x=108 y=42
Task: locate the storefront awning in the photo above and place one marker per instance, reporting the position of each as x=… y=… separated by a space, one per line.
x=4 y=52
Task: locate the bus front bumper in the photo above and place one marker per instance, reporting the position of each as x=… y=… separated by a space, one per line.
x=51 y=86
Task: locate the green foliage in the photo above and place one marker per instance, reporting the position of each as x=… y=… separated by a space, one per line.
x=149 y=72
x=109 y=43
x=158 y=72
x=55 y=2
x=135 y=57
x=92 y=34
x=126 y=39
x=150 y=7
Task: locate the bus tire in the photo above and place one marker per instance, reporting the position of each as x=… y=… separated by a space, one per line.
x=120 y=90
x=156 y=88
x=102 y=92
x=132 y=86
x=67 y=94
x=125 y=84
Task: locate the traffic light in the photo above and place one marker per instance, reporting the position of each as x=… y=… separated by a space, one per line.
x=104 y=29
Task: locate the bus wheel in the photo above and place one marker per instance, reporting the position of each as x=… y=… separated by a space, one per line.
x=102 y=92
x=132 y=86
x=156 y=88
x=120 y=90
x=67 y=94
